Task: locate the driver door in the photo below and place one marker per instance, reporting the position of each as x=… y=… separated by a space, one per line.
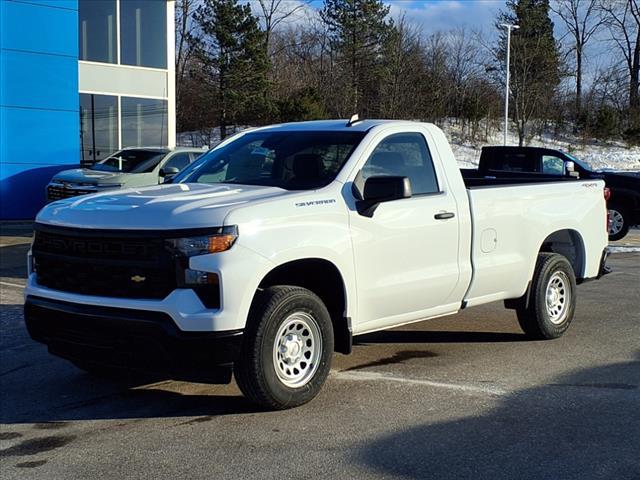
x=406 y=254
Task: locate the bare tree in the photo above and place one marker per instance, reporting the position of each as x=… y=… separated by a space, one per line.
x=581 y=19
x=402 y=68
x=275 y=12
x=184 y=52
x=184 y=30
x=623 y=21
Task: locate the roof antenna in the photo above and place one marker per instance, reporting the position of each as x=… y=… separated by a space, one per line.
x=355 y=118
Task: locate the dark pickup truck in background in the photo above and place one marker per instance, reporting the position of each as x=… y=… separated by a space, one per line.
x=623 y=205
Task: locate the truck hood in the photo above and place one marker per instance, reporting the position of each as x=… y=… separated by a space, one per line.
x=172 y=206
x=90 y=177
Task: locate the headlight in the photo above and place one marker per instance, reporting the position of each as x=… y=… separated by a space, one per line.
x=202 y=244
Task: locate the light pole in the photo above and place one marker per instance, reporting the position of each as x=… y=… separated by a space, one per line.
x=506 y=91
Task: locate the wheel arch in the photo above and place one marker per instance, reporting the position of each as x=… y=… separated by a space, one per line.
x=570 y=244
x=322 y=277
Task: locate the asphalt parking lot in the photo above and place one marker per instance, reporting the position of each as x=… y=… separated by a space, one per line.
x=459 y=397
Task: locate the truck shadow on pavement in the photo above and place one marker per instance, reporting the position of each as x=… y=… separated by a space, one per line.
x=36 y=387
x=581 y=425
x=421 y=336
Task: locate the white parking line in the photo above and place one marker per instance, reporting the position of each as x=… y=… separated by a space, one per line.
x=15 y=285
x=375 y=376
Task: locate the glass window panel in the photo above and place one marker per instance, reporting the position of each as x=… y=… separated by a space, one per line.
x=552 y=165
x=143 y=33
x=404 y=155
x=97 y=30
x=179 y=161
x=98 y=126
x=144 y=122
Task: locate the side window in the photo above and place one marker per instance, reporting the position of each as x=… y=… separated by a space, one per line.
x=552 y=165
x=404 y=155
x=513 y=162
x=179 y=160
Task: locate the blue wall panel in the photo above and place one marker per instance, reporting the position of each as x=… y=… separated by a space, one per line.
x=61 y=4
x=38 y=136
x=38 y=21
x=40 y=81
x=39 y=124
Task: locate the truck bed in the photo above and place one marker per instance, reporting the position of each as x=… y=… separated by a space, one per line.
x=508 y=223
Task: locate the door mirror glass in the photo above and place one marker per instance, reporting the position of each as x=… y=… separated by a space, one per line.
x=168 y=172
x=382 y=189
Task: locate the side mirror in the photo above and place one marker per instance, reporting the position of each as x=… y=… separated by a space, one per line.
x=382 y=189
x=570 y=169
x=168 y=172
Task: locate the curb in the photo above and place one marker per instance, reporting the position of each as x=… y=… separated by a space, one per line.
x=623 y=249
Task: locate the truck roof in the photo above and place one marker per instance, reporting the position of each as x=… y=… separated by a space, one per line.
x=333 y=125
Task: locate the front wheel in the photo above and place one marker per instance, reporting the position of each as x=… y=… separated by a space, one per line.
x=552 y=298
x=287 y=349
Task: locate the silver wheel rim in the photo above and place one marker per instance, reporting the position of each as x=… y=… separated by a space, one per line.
x=616 y=222
x=297 y=349
x=558 y=297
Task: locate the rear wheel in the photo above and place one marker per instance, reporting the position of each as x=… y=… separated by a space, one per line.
x=287 y=348
x=618 y=222
x=551 y=298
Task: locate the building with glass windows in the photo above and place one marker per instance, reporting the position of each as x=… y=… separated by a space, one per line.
x=79 y=80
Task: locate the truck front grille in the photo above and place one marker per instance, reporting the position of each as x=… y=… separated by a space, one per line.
x=55 y=192
x=110 y=264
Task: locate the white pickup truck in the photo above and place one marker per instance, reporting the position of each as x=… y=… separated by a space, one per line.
x=277 y=247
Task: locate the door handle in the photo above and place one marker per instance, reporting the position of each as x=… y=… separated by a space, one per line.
x=444 y=215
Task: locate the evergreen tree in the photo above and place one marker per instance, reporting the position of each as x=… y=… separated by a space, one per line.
x=358 y=30
x=231 y=49
x=535 y=60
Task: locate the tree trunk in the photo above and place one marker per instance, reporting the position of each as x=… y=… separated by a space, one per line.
x=521 y=129
x=578 y=81
x=634 y=99
x=222 y=83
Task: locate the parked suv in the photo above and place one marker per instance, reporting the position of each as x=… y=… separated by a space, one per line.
x=130 y=167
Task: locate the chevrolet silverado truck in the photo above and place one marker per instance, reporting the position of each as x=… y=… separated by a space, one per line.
x=274 y=249
x=624 y=204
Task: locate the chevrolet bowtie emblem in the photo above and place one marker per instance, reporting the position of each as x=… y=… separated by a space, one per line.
x=138 y=278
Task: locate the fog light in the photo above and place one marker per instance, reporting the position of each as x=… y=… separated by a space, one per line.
x=198 y=277
x=206 y=285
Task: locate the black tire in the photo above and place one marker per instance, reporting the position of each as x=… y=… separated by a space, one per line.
x=255 y=371
x=540 y=320
x=619 y=213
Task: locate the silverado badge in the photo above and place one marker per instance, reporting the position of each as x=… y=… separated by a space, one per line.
x=138 y=278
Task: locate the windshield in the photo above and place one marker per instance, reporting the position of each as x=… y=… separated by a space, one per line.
x=289 y=160
x=130 y=161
